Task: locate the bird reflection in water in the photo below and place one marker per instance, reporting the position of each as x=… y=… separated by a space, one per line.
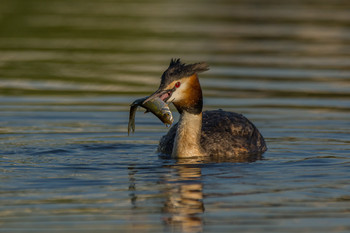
x=182 y=189
x=184 y=204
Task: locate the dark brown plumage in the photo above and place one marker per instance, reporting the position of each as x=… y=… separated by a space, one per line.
x=224 y=134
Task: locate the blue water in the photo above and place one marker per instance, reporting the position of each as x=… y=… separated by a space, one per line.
x=69 y=70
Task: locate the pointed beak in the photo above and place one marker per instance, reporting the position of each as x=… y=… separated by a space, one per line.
x=164 y=95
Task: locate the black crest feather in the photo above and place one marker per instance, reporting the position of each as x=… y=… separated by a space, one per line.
x=177 y=70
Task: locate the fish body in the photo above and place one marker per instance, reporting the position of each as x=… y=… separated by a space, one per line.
x=158 y=107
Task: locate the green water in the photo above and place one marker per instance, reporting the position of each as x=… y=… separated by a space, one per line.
x=70 y=69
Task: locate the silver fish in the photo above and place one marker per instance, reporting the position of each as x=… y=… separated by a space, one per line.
x=157 y=106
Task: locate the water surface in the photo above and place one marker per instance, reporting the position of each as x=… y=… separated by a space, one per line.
x=70 y=69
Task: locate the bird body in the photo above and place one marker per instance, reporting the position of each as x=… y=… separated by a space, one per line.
x=215 y=133
x=223 y=134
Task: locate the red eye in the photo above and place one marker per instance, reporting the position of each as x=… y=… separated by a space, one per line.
x=177 y=85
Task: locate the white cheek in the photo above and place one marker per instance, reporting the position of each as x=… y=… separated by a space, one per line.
x=176 y=96
x=178 y=93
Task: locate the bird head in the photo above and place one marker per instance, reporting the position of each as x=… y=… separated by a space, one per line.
x=179 y=85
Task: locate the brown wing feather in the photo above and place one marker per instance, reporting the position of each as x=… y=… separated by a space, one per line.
x=224 y=134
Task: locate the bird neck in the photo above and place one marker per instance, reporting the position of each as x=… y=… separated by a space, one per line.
x=188 y=135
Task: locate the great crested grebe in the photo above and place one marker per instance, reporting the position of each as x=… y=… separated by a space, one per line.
x=211 y=133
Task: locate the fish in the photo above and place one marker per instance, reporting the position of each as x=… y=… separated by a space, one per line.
x=157 y=106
